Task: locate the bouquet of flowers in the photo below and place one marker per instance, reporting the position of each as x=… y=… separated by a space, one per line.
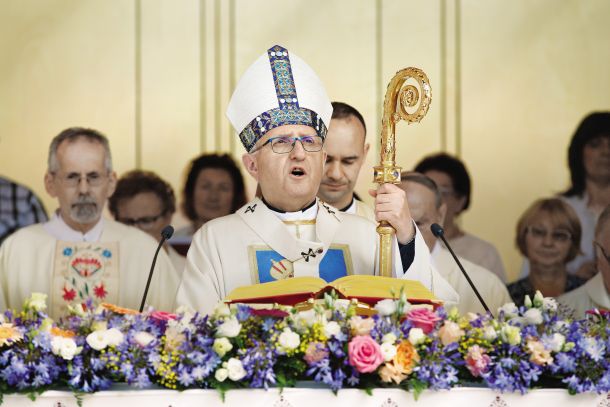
x=405 y=346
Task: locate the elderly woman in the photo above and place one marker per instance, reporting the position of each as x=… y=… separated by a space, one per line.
x=214 y=187
x=146 y=201
x=548 y=235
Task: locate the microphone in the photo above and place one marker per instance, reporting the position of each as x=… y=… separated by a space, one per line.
x=166 y=233
x=438 y=231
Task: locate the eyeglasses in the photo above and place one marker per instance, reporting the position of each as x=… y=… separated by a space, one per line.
x=285 y=144
x=599 y=246
x=72 y=180
x=145 y=222
x=559 y=236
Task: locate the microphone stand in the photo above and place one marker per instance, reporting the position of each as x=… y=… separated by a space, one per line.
x=438 y=231
x=166 y=233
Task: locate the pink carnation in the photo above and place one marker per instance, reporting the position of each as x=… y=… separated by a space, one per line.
x=163 y=316
x=364 y=354
x=315 y=352
x=423 y=318
x=477 y=360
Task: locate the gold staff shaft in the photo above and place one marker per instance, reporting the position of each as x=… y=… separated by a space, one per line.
x=398 y=99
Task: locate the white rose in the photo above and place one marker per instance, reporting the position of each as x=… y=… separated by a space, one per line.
x=230 y=328
x=235 y=369
x=489 y=333
x=289 y=340
x=143 y=338
x=114 y=337
x=222 y=346
x=389 y=338
x=221 y=374
x=65 y=347
x=36 y=302
x=97 y=340
x=386 y=307
x=331 y=329
x=533 y=316
x=416 y=336
x=388 y=351
x=555 y=342
x=509 y=309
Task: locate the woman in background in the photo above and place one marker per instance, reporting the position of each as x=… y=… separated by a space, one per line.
x=589 y=192
x=214 y=187
x=548 y=235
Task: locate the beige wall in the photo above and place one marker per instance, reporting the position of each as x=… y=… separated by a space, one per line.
x=510 y=81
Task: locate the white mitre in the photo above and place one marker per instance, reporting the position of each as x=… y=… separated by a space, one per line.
x=279 y=88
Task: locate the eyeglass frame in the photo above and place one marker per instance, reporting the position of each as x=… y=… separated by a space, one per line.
x=73 y=179
x=552 y=234
x=139 y=222
x=294 y=140
x=606 y=256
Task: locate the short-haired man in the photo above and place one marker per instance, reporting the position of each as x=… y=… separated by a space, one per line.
x=346 y=149
x=144 y=200
x=595 y=293
x=19 y=207
x=427 y=207
x=281 y=112
x=79 y=258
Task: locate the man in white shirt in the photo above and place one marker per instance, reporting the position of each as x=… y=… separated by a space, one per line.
x=346 y=149
x=78 y=258
x=595 y=293
x=281 y=112
x=427 y=208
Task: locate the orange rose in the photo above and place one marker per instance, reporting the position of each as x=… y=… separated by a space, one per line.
x=406 y=357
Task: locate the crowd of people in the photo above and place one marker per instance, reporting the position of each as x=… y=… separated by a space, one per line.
x=305 y=220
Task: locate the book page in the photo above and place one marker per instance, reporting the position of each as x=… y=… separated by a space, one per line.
x=289 y=286
x=361 y=286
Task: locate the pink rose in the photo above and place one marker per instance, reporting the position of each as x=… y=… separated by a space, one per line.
x=423 y=318
x=364 y=354
x=316 y=351
x=477 y=360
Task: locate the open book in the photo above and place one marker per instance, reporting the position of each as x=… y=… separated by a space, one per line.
x=367 y=289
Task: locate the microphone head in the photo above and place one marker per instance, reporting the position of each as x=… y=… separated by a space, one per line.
x=437 y=230
x=167 y=232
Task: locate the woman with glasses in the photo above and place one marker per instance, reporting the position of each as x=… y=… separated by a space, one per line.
x=548 y=235
x=144 y=200
x=595 y=294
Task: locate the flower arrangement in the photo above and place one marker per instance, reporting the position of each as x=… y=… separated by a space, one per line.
x=238 y=346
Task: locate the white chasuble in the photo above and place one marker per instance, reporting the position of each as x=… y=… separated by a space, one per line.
x=254 y=245
x=29 y=256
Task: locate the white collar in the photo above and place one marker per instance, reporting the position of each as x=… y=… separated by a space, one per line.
x=352 y=208
x=60 y=230
x=308 y=214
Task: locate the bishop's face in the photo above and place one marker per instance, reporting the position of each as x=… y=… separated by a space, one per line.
x=288 y=181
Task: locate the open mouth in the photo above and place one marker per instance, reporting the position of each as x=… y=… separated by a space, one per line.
x=297 y=172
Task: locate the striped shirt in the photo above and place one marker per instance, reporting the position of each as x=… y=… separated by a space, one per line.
x=19 y=207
